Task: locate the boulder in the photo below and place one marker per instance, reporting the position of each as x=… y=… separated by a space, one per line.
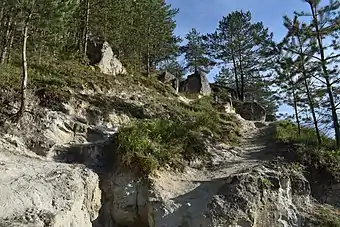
x=36 y=192
x=251 y=111
x=166 y=78
x=261 y=197
x=196 y=83
x=223 y=92
x=101 y=55
x=169 y=79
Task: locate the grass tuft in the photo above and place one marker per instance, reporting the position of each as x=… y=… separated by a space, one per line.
x=151 y=144
x=323 y=158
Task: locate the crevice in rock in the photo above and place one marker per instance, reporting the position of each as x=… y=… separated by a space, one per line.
x=124 y=196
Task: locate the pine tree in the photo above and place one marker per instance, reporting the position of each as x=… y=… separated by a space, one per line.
x=239 y=44
x=195 y=52
x=35 y=13
x=324 y=26
x=225 y=78
x=302 y=46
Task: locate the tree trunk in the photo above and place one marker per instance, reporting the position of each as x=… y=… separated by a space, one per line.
x=11 y=44
x=311 y=105
x=148 y=53
x=326 y=76
x=2 y=14
x=242 y=80
x=296 y=109
x=195 y=65
x=6 y=40
x=86 y=30
x=24 y=69
x=236 y=78
x=242 y=75
x=309 y=97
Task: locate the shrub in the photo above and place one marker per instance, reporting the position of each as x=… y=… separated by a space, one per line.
x=327 y=216
x=151 y=144
x=323 y=158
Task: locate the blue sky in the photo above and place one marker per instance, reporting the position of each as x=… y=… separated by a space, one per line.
x=205 y=14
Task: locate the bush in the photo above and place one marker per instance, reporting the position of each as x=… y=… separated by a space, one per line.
x=151 y=144
x=287 y=132
x=327 y=216
x=322 y=158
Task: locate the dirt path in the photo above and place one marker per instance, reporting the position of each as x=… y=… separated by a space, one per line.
x=193 y=190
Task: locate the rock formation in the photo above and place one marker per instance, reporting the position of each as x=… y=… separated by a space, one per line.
x=35 y=192
x=60 y=169
x=223 y=98
x=251 y=111
x=101 y=55
x=166 y=78
x=169 y=79
x=223 y=92
x=196 y=83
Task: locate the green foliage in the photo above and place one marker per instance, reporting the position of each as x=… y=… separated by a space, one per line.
x=149 y=145
x=323 y=158
x=310 y=76
x=51 y=81
x=140 y=31
x=287 y=132
x=224 y=127
x=327 y=216
x=195 y=52
x=10 y=77
x=266 y=183
x=152 y=144
x=239 y=46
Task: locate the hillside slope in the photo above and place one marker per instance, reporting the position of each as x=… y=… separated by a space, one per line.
x=96 y=150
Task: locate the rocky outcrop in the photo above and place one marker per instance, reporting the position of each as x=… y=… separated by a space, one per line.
x=36 y=192
x=262 y=197
x=101 y=55
x=196 y=83
x=223 y=93
x=166 y=78
x=169 y=79
x=60 y=169
x=259 y=197
x=223 y=98
x=251 y=111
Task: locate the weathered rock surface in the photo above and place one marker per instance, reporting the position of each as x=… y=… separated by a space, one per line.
x=237 y=190
x=76 y=179
x=222 y=93
x=35 y=192
x=251 y=111
x=166 y=78
x=101 y=54
x=196 y=83
x=261 y=197
x=169 y=79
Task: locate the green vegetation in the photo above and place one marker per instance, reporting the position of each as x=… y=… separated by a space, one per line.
x=287 y=132
x=174 y=135
x=152 y=144
x=149 y=145
x=327 y=216
x=266 y=183
x=324 y=158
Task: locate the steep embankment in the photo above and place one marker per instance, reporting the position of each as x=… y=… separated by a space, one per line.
x=239 y=188
x=128 y=151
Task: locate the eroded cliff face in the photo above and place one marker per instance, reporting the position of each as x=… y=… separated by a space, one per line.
x=37 y=192
x=60 y=169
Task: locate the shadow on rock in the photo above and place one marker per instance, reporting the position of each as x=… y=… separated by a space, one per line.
x=106 y=105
